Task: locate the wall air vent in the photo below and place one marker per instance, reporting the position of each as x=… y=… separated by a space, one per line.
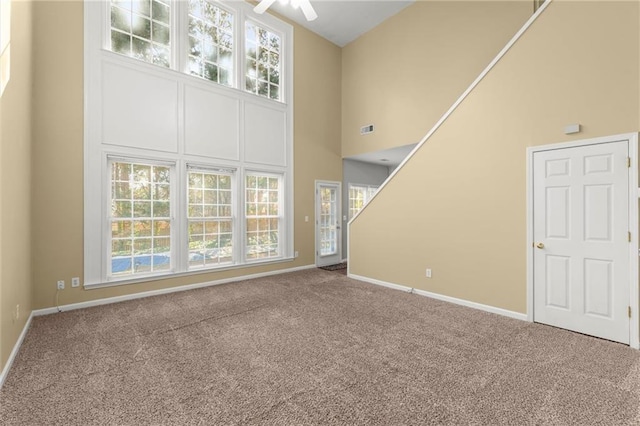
x=366 y=129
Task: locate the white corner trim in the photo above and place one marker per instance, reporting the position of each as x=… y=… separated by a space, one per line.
x=634 y=278
x=529 y=234
x=457 y=103
x=14 y=352
x=116 y=299
x=454 y=300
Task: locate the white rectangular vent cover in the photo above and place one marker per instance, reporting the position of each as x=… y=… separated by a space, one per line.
x=366 y=129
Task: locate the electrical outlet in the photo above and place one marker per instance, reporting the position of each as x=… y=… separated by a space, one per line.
x=75 y=282
x=428 y=273
x=296 y=254
x=61 y=285
x=17 y=312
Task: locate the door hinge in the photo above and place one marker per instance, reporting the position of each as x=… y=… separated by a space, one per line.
x=629 y=311
x=628 y=161
x=629 y=236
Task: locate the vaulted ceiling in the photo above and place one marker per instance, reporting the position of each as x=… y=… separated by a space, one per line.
x=341 y=21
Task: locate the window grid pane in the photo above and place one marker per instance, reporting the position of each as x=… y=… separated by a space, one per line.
x=210 y=219
x=140 y=218
x=262 y=55
x=210 y=42
x=328 y=222
x=359 y=196
x=141 y=29
x=262 y=201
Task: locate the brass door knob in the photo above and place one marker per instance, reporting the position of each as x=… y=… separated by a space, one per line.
x=540 y=245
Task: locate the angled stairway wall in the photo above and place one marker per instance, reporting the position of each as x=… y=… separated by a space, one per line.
x=458 y=206
x=403 y=75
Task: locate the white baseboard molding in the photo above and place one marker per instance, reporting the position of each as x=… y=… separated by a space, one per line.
x=462 y=302
x=116 y=299
x=14 y=352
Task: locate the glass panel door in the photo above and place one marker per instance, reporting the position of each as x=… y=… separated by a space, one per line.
x=328 y=214
x=328 y=221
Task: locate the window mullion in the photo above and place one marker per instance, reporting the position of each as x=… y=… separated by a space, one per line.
x=178 y=216
x=239 y=51
x=177 y=30
x=241 y=215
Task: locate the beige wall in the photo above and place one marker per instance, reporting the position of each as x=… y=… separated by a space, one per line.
x=459 y=206
x=58 y=152
x=405 y=74
x=15 y=184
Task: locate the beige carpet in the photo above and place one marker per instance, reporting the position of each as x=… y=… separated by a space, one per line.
x=312 y=348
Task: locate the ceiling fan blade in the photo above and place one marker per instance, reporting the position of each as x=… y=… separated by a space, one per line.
x=263 y=6
x=307 y=9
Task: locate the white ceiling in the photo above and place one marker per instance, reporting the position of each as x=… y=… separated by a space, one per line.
x=393 y=156
x=341 y=21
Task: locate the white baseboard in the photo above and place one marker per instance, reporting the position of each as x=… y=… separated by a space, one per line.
x=14 y=352
x=116 y=299
x=467 y=303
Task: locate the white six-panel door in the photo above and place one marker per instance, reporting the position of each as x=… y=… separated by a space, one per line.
x=580 y=231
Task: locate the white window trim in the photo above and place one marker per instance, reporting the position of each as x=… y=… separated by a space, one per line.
x=263 y=23
x=179 y=20
x=367 y=197
x=235 y=218
x=5 y=24
x=282 y=228
x=96 y=198
x=172 y=202
x=5 y=44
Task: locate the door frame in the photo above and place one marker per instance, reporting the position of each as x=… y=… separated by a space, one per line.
x=315 y=217
x=634 y=193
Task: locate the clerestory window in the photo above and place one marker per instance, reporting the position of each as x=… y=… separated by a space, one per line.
x=201 y=38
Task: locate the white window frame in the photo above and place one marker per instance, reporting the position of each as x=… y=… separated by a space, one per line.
x=179 y=39
x=232 y=173
x=108 y=4
x=97 y=152
x=243 y=60
x=282 y=231
x=370 y=192
x=5 y=44
x=183 y=40
x=172 y=205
